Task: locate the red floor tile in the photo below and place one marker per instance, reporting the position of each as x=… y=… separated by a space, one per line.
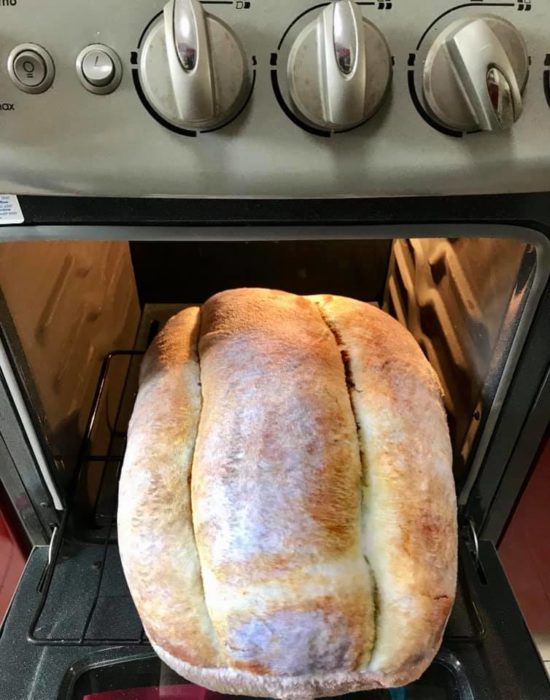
x=525 y=548
x=12 y=563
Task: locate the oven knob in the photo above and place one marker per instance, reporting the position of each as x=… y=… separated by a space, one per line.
x=192 y=68
x=475 y=73
x=339 y=68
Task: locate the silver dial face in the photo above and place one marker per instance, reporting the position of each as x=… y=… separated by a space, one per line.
x=339 y=68
x=475 y=73
x=192 y=68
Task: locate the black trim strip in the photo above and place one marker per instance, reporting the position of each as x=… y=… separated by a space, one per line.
x=546 y=84
x=529 y=210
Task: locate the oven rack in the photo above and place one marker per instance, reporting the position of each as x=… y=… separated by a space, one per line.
x=84 y=600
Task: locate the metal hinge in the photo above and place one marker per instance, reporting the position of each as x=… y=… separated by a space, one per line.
x=53 y=542
x=46 y=575
x=468 y=535
x=472 y=542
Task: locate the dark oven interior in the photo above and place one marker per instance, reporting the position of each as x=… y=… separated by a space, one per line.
x=77 y=317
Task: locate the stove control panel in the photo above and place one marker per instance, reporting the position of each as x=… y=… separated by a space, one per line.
x=286 y=98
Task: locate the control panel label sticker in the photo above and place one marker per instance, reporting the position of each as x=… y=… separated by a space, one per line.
x=10 y=210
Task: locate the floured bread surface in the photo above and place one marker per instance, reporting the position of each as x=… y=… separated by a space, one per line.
x=277 y=461
x=287 y=518
x=155 y=526
x=409 y=512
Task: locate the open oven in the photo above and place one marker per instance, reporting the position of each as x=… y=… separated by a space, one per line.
x=130 y=193
x=76 y=319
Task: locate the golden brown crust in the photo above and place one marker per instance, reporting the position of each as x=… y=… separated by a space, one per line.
x=321 y=484
x=155 y=531
x=409 y=506
x=314 y=685
x=276 y=489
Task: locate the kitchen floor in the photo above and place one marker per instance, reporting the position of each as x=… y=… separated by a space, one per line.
x=525 y=553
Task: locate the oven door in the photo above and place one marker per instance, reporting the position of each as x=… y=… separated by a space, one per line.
x=72 y=631
x=487 y=651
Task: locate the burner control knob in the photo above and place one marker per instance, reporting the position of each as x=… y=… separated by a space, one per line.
x=475 y=73
x=339 y=68
x=192 y=68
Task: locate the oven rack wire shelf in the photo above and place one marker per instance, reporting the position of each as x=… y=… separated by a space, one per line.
x=84 y=600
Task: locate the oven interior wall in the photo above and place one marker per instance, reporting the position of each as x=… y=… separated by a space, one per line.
x=462 y=299
x=192 y=272
x=436 y=287
x=66 y=305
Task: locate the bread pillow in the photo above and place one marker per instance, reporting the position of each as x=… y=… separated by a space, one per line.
x=287 y=514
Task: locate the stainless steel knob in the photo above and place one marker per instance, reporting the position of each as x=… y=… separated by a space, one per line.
x=339 y=68
x=475 y=73
x=192 y=68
